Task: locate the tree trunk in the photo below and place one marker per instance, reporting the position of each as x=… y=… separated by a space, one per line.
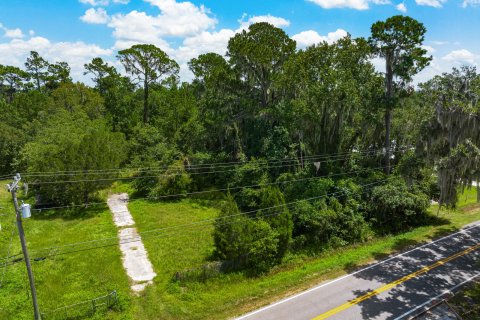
x=388 y=110
x=145 y=102
x=37 y=76
x=388 y=121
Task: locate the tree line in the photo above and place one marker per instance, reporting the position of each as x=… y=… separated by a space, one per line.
x=264 y=101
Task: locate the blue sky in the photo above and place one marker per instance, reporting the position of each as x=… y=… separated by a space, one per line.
x=78 y=30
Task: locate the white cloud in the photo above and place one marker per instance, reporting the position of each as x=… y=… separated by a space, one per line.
x=176 y=19
x=12 y=33
x=95 y=2
x=95 y=16
x=311 y=37
x=352 y=4
x=430 y=3
x=472 y=3
x=205 y=42
x=429 y=49
x=330 y=4
x=461 y=56
x=401 y=7
x=76 y=54
x=276 y=21
x=439 y=43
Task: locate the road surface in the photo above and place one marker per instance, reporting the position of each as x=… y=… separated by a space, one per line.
x=391 y=289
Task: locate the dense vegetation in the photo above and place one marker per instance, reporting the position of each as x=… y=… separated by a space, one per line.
x=305 y=149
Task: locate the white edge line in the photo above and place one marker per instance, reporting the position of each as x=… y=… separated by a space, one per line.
x=436 y=297
x=353 y=273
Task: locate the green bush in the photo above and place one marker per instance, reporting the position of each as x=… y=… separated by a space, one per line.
x=248 y=243
x=321 y=225
x=72 y=142
x=174 y=180
x=394 y=207
x=278 y=217
x=148 y=148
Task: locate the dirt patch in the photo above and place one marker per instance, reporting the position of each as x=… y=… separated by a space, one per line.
x=471 y=208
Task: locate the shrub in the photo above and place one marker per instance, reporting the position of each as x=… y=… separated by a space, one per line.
x=394 y=207
x=317 y=225
x=247 y=243
x=148 y=148
x=173 y=181
x=72 y=142
x=278 y=217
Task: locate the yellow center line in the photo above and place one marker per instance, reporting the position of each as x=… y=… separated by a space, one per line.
x=394 y=283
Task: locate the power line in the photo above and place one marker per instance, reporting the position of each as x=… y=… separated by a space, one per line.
x=209 y=191
x=201 y=166
x=194 y=166
x=158 y=232
x=167 y=175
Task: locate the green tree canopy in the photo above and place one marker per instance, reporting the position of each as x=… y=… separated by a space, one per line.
x=71 y=142
x=37 y=67
x=258 y=56
x=12 y=79
x=147 y=64
x=452 y=138
x=399 y=41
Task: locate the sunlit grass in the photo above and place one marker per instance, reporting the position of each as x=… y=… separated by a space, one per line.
x=228 y=295
x=78 y=276
x=64 y=279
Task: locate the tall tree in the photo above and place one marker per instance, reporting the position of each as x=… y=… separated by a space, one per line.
x=258 y=56
x=398 y=40
x=117 y=92
x=58 y=73
x=334 y=87
x=37 y=67
x=216 y=89
x=12 y=79
x=452 y=138
x=99 y=70
x=147 y=64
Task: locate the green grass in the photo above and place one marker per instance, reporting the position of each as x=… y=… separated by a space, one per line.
x=78 y=276
x=65 y=279
x=233 y=294
x=467 y=301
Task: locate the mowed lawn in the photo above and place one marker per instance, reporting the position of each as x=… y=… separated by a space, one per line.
x=64 y=279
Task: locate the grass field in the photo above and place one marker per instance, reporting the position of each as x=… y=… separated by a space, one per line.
x=78 y=276
x=65 y=279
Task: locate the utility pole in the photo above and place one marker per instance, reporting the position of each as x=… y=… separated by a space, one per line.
x=13 y=187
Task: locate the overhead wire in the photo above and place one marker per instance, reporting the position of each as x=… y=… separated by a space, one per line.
x=164 y=175
x=159 y=231
x=231 y=163
x=44 y=207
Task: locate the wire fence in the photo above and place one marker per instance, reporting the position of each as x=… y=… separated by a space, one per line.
x=82 y=309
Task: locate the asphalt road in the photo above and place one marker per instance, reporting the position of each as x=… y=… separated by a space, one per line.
x=390 y=289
